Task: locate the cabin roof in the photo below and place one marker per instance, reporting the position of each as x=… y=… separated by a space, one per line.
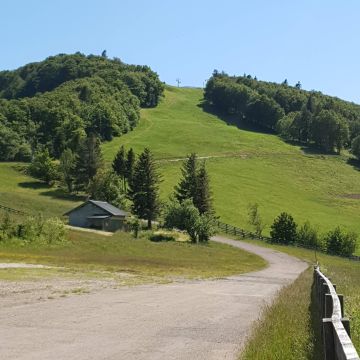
x=110 y=209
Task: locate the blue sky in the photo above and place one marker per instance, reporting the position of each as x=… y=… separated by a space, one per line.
x=315 y=42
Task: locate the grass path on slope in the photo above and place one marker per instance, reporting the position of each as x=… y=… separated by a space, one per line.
x=179 y=126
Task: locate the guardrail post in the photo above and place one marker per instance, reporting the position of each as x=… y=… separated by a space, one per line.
x=328 y=306
x=328 y=339
x=346 y=323
x=341 y=298
x=324 y=290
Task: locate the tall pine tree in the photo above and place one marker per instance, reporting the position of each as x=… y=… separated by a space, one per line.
x=88 y=161
x=119 y=165
x=187 y=187
x=144 y=188
x=130 y=162
x=195 y=185
x=203 y=199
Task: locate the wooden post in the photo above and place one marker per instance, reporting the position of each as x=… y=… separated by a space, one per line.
x=328 y=339
x=341 y=298
x=346 y=323
x=328 y=306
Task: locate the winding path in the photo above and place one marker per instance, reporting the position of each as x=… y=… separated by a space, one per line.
x=190 y=320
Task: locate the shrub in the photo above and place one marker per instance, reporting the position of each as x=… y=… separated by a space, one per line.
x=37 y=228
x=307 y=236
x=185 y=216
x=53 y=231
x=283 y=230
x=7 y=227
x=340 y=243
x=255 y=219
x=43 y=167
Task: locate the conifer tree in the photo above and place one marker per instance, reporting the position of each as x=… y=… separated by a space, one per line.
x=89 y=161
x=187 y=187
x=144 y=188
x=202 y=199
x=119 y=165
x=67 y=166
x=130 y=162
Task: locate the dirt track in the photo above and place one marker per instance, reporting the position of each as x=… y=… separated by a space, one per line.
x=190 y=320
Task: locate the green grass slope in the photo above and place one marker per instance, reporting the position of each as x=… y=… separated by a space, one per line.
x=246 y=166
x=22 y=192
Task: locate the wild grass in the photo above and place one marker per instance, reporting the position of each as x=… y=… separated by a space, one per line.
x=283 y=314
x=24 y=193
x=123 y=253
x=286 y=329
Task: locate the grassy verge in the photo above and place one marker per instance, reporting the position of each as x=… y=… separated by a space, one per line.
x=286 y=329
x=123 y=253
x=294 y=300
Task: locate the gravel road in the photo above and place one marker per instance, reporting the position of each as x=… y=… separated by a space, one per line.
x=185 y=320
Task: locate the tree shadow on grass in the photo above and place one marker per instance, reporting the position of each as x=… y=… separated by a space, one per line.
x=55 y=193
x=354 y=163
x=233 y=120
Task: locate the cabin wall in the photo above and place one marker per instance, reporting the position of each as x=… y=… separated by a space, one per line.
x=79 y=216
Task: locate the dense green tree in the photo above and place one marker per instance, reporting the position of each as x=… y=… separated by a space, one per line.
x=88 y=161
x=144 y=188
x=307 y=236
x=185 y=216
x=106 y=186
x=283 y=229
x=119 y=165
x=265 y=104
x=355 y=147
x=57 y=102
x=330 y=131
x=67 y=168
x=338 y=242
x=43 y=167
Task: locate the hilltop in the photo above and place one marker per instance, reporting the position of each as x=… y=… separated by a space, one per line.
x=55 y=103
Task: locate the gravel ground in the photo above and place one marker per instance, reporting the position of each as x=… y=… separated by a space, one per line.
x=189 y=320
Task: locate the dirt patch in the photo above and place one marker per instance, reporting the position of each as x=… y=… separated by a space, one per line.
x=351 y=196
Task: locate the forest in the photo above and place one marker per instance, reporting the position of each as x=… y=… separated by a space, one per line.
x=307 y=117
x=55 y=103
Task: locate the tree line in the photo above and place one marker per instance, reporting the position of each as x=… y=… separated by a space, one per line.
x=57 y=102
x=308 y=117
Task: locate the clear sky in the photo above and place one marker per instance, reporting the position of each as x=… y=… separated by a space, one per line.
x=315 y=42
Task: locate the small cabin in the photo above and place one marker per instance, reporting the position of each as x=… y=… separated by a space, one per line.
x=98 y=215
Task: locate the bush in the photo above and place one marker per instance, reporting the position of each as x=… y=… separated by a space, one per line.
x=340 y=243
x=185 y=216
x=53 y=231
x=107 y=186
x=37 y=228
x=7 y=227
x=307 y=236
x=43 y=167
x=283 y=230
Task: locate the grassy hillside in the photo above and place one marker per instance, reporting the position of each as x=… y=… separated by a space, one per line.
x=246 y=166
x=27 y=194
